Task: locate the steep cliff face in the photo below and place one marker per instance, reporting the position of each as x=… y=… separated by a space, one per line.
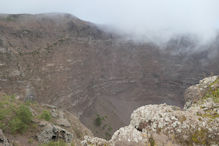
x=196 y=124
x=62 y=60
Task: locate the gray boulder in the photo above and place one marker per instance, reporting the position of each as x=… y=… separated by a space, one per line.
x=63 y=122
x=52 y=132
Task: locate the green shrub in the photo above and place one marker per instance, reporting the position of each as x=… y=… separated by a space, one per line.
x=200 y=137
x=213 y=93
x=15 y=116
x=3 y=114
x=152 y=142
x=16 y=125
x=98 y=121
x=21 y=120
x=46 y=115
x=24 y=114
x=110 y=128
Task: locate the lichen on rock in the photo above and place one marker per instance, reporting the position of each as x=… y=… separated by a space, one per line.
x=196 y=92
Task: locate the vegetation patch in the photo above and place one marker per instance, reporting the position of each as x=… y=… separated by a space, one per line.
x=211 y=115
x=151 y=141
x=12 y=17
x=17 y=117
x=110 y=128
x=199 y=137
x=103 y=126
x=46 y=115
x=14 y=115
x=213 y=92
x=98 y=120
x=22 y=119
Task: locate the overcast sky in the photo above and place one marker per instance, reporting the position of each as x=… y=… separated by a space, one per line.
x=132 y=16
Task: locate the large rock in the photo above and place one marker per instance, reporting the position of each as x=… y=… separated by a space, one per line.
x=94 y=141
x=197 y=124
x=52 y=132
x=3 y=140
x=63 y=122
x=128 y=136
x=195 y=92
x=192 y=126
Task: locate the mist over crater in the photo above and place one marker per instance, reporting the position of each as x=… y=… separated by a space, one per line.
x=103 y=59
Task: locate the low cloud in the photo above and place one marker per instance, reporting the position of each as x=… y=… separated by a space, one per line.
x=155 y=20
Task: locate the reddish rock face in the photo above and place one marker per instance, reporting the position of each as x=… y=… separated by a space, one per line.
x=61 y=60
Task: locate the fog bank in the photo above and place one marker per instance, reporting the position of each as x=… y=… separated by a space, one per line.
x=152 y=19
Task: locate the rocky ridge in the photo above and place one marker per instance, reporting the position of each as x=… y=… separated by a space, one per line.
x=196 y=124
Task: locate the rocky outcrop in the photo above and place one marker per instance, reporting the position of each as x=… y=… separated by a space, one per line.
x=52 y=132
x=196 y=124
x=94 y=141
x=63 y=126
x=3 y=140
x=195 y=92
x=35 y=124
